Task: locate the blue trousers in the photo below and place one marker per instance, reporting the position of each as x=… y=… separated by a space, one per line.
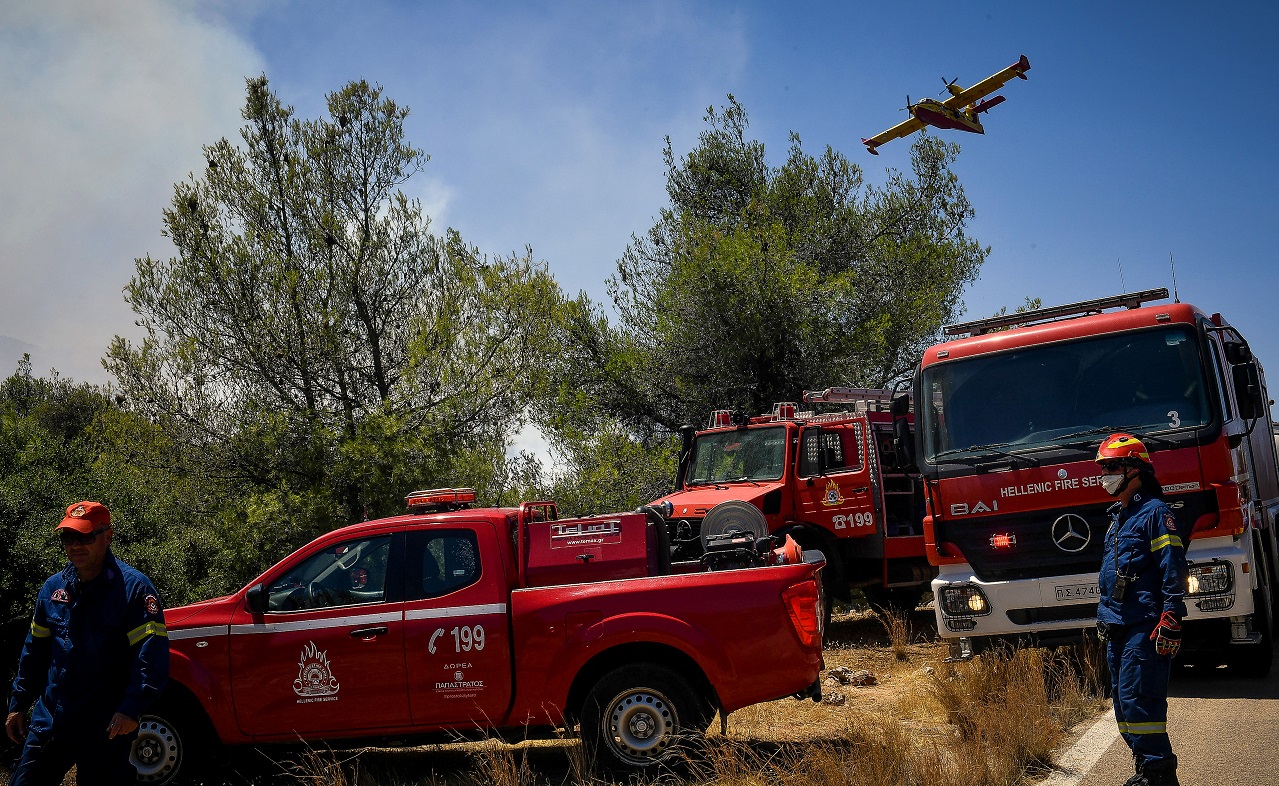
x=1139 y=689
x=99 y=761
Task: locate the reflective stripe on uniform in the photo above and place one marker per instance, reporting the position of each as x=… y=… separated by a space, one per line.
x=40 y=631
x=147 y=629
x=1166 y=540
x=1153 y=727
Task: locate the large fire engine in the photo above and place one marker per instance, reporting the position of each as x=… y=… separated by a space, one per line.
x=836 y=482
x=1009 y=417
x=453 y=621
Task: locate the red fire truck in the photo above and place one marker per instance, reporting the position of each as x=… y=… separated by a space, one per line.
x=836 y=482
x=453 y=621
x=1009 y=417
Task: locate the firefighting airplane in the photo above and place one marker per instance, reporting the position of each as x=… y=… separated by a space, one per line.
x=960 y=111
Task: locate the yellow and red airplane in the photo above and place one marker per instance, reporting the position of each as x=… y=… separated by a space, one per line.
x=960 y=111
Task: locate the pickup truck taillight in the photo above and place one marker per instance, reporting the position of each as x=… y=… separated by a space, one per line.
x=802 y=601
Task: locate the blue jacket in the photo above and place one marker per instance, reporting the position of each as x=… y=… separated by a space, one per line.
x=95 y=648
x=1144 y=544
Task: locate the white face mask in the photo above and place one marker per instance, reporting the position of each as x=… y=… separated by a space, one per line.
x=1113 y=483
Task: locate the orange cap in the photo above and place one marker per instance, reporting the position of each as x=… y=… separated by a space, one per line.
x=86 y=517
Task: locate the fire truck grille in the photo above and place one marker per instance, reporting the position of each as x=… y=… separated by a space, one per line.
x=1048 y=543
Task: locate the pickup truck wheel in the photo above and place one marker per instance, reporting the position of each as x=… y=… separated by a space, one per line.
x=641 y=718
x=172 y=747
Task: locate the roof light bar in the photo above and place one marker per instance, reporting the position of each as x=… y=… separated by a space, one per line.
x=720 y=418
x=982 y=326
x=449 y=498
x=784 y=410
x=847 y=395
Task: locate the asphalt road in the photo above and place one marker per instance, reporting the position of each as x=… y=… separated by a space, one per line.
x=1223 y=730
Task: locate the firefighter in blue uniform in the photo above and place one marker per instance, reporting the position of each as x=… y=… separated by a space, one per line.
x=1143 y=575
x=96 y=657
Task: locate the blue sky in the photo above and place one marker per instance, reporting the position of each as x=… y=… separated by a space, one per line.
x=1142 y=131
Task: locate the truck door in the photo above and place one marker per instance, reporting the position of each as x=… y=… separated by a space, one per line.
x=456 y=637
x=328 y=654
x=834 y=489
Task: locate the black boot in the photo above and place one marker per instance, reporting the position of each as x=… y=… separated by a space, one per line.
x=1162 y=772
x=1139 y=778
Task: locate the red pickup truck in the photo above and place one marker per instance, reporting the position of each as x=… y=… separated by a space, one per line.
x=459 y=620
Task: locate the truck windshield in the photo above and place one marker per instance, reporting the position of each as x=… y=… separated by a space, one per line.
x=741 y=454
x=1063 y=393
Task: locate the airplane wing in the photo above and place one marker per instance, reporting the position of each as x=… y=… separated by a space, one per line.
x=988 y=85
x=904 y=128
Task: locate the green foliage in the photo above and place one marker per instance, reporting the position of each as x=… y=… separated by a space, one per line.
x=61 y=442
x=312 y=338
x=759 y=281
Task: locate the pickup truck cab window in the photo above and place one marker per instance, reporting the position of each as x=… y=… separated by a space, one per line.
x=439 y=562
x=347 y=574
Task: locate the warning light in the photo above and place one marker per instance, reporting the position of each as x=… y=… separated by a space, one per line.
x=784 y=410
x=721 y=418
x=1005 y=541
x=440 y=499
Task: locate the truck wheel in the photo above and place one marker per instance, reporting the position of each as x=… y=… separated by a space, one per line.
x=173 y=746
x=901 y=600
x=640 y=718
x=1254 y=660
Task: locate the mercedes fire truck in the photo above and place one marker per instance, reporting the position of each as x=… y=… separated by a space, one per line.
x=1009 y=415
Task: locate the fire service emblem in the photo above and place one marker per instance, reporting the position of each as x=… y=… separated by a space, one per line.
x=315 y=680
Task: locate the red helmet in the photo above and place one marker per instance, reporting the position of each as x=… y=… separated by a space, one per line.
x=1124 y=448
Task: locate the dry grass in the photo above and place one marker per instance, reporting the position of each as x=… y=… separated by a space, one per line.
x=993 y=721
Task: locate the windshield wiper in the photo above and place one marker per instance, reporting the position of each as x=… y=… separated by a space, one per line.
x=1111 y=430
x=993 y=447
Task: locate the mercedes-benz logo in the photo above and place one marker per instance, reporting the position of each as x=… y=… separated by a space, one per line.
x=1071 y=533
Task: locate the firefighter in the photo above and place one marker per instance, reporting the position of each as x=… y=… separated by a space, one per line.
x=96 y=656
x=1143 y=573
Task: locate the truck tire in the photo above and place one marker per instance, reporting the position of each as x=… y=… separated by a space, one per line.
x=900 y=600
x=175 y=745
x=641 y=718
x=1254 y=660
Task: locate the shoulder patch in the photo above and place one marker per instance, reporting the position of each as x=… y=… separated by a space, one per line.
x=60 y=596
x=153 y=605
x=1170 y=522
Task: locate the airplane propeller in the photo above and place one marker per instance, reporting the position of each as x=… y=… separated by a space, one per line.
x=908 y=104
x=948 y=85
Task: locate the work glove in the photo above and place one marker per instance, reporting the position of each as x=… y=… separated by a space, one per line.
x=1167 y=634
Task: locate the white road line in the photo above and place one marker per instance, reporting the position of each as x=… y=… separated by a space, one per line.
x=1076 y=762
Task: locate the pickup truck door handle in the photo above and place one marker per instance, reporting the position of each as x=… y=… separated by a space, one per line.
x=368 y=633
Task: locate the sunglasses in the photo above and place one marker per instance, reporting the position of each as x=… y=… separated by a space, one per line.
x=1112 y=466
x=69 y=537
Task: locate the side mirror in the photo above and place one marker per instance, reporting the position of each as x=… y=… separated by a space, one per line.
x=1237 y=353
x=686 y=434
x=1248 y=391
x=256 y=599
x=903 y=440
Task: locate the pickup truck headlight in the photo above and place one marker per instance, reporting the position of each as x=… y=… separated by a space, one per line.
x=963 y=600
x=1212 y=578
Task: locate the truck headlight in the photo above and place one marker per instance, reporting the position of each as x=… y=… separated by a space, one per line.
x=963 y=600
x=1213 y=578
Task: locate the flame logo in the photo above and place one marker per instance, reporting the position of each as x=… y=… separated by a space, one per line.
x=315 y=676
x=832 y=496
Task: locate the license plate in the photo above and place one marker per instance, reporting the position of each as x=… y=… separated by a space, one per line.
x=1072 y=592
